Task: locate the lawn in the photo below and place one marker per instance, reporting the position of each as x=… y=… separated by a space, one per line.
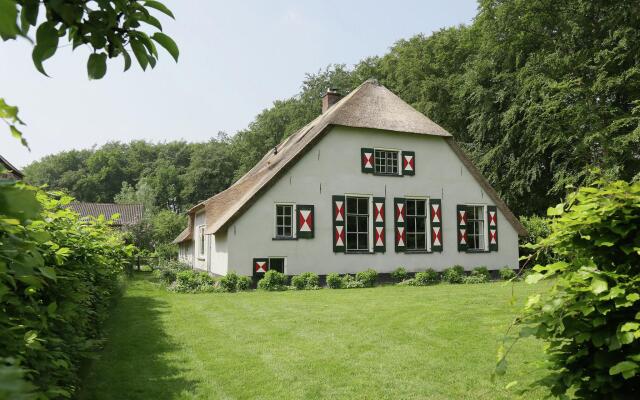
x=388 y=342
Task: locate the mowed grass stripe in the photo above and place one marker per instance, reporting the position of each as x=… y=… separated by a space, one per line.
x=387 y=342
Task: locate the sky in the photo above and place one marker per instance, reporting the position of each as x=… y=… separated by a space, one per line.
x=236 y=58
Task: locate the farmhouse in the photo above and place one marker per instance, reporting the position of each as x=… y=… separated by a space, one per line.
x=127 y=214
x=370 y=183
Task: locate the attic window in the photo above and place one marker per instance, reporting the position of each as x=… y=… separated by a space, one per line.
x=284 y=221
x=386 y=162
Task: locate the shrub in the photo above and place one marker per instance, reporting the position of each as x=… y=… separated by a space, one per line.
x=349 y=282
x=399 y=274
x=191 y=281
x=428 y=277
x=475 y=278
x=452 y=275
x=589 y=317
x=482 y=270
x=59 y=277
x=334 y=281
x=166 y=276
x=273 y=281
x=368 y=277
x=538 y=229
x=507 y=273
x=306 y=280
x=244 y=283
x=232 y=282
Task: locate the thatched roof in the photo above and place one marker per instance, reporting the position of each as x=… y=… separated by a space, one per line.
x=130 y=214
x=371 y=105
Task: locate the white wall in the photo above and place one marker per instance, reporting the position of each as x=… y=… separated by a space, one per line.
x=332 y=167
x=186 y=253
x=219 y=255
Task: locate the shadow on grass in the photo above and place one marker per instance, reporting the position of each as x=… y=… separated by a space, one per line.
x=139 y=360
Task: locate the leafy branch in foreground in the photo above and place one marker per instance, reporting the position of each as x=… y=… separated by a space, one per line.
x=590 y=319
x=111 y=28
x=9 y=114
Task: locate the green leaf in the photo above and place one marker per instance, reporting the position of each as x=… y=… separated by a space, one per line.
x=16 y=133
x=140 y=52
x=160 y=7
x=49 y=272
x=127 y=60
x=97 y=65
x=628 y=369
x=46 y=45
x=8 y=19
x=168 y=44
x=30 y=11
x=534 y=278
x=598 y=285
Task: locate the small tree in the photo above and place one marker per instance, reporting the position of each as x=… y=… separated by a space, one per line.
x=590 y=319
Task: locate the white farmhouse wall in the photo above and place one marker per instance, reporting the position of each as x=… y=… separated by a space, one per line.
x=185 y=254
x=219 y=254
x=332 y=167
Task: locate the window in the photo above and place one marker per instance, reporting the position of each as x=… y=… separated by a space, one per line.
x=416 y=224
x=277 y=263
x=476 y=228
x=284 y=220
x=386 y=162
x=201 y=241
x=357 y=212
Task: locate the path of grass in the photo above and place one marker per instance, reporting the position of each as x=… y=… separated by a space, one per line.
x=382 y=343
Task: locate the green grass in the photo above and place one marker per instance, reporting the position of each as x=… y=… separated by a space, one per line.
x=382 y=343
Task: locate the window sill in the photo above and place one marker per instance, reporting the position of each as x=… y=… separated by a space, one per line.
x=390 y=175
x=418 y=251
x=200 y=258
x=477 y=251
x=359 y=252
x=284 y=238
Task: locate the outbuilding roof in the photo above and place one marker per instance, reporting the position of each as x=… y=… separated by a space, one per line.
x=8 y=166
x=130 y=214
x=370 y=105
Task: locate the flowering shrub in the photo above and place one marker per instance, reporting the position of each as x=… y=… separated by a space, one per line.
x=368 y=277
x=399 y=274
x=306 y=280
x=334 y=281
x=273 y=281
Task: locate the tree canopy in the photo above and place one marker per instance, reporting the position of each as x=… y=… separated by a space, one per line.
x=537 y=92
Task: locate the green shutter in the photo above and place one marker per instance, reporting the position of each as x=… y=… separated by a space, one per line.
x=367 y=160
x=379 y=219
x=338 y=233
x=259 y=268
x=408 y=162
x=304 y=221
x=461 y=218
x=435 y=215
x=399 y=215
x=492 y=222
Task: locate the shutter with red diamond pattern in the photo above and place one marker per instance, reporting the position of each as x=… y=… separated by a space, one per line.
x=492 y=218
x=378 y=225
x=399 y=212
x=305 y=221
x=408 y=163
x=435 y=215
x=338 y=206
x=260 y=266
x=461 y=217
x=367 y=160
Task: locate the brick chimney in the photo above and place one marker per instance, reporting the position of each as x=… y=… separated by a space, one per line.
x=330 y=98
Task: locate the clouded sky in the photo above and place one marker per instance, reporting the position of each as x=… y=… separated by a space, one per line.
x=237 y=57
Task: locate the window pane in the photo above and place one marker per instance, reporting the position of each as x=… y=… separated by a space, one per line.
x=421 y=242
x=351 y=223
x=411 y=207
x=279 y=231
x=411 y=241
x=421 y=207
x=421 y=225
x=362 y=224
x=363 y=205
x=352 y=241
x=352 y=204
x=363 y=243
x=411 y=224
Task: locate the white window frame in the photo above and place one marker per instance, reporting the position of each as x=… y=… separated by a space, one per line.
x=370 y=223
x=485 y=228
x=427 y=224
x=399 y=161
x=293 y=220
x=202 y=242
x=284 y=270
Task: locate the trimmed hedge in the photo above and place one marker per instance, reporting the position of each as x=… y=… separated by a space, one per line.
x=59 y=276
